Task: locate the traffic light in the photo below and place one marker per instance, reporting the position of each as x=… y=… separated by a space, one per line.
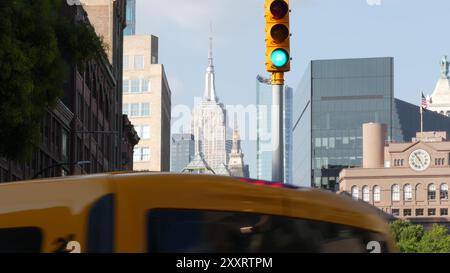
x=278 y=58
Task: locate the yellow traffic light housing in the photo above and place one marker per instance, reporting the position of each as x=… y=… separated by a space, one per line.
x=278 y=58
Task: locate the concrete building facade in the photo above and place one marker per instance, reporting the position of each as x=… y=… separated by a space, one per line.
x=147 y=102
x=407 y=180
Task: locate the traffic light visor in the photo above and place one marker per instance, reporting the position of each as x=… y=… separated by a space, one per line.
x=279 y=57
x=279 y=9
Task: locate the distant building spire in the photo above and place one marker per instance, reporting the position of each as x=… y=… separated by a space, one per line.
x=210 y=84
x=236 y=138
x=444 y=67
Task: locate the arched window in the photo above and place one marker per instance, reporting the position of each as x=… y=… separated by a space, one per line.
x=442 y=112
x=431 y=192
x=355 y=193
x=376 y=194
x=366 y=194
x=408 y=192
x=448 y=113
x=444 y=192
x=396 y=193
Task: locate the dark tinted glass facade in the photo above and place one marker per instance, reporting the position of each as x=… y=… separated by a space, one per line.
x=334 y=99
x=131 y=18
x=182 y=151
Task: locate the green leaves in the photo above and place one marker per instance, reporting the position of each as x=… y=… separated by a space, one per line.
x=412 y=238
x=37 y=45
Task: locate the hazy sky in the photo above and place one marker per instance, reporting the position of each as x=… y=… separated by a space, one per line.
x=414 y=32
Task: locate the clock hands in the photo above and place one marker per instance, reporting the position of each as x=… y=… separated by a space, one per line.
x=420 y=160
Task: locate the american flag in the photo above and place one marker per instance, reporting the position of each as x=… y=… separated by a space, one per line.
x=424 y=103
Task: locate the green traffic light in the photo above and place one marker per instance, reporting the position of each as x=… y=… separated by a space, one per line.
x=279 y=57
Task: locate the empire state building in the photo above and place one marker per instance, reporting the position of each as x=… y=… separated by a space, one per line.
x=209 y=124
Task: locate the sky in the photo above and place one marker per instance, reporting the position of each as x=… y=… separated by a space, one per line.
x=414 y=32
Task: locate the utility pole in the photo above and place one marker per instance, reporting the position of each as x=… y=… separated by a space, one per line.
x=277 y=127
x=278 y=61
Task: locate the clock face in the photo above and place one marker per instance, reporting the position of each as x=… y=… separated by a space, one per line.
x=419 y=160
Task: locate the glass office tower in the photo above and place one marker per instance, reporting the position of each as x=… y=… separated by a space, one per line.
x=131 y=18
x=264 y=131
x=334 y=99
x=182 y=151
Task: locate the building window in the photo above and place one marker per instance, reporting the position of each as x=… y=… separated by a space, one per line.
x=135 y=86
x=408 y=192
x=145 y=110
x=126 y=63
x=137 y=155
x=126 y=86
x=125 y=109
x=141 y=154
x=143 y=131
x=376 y=194
x=444 y=192
x=444 y=212
x=145 y=154
x=138 y=62
x=439 y=161
x=431 y=212
x=419 y=212
x=145 y=87
x=64 y=144
x=432 y=192
x=396 y=212
x=154 y=61
x=407 y=212
x=134 y=110
x=366 y=194
x=355 y=193
x=396 y=193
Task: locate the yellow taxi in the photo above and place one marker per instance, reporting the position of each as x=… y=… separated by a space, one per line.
x=174 y=213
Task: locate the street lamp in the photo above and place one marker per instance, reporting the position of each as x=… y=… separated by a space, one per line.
x=79 y=163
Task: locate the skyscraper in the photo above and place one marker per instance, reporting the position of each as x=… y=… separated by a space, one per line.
x=334 y=99
x=209 y=124
x=182 y=151
x=264 y=132
x=130 y=18
x=147 y=102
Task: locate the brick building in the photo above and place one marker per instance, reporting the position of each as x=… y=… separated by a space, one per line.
x=407 y=180
x=85 y=133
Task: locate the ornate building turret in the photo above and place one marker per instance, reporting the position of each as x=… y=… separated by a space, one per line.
x=439 y=101
x=236 y=164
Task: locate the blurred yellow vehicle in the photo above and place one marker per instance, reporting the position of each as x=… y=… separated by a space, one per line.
x=169 y=213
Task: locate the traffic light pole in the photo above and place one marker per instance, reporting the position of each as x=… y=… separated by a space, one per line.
x=277 y=127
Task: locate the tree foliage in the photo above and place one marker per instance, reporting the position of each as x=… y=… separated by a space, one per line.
x=36 y=46
x=412 y=238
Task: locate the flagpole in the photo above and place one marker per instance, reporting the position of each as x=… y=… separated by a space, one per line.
x=421 y=119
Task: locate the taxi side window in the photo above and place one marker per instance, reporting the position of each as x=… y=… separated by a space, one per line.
x=183 y=231
x=101 y=226
x=20 y=240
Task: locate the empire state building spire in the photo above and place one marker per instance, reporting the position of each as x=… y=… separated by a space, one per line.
x=210 y=82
